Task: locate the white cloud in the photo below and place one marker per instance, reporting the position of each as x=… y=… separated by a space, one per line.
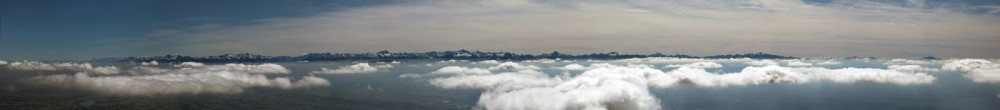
x=175 y=83
x=141 y=70
x=410 y=75
x=489 y=62
x=608 y=65
x=573 y=67
x=105 y=70
x=229 y=78
x=607 y=86
x=777 y=74
x=452 y=61
x=978 y=70
x=150 y=63
x=577 y=67
x=906 y=62
x=499 y=81
x=3 y=62
x=457 y=70
x=356 y=68
x=761 y=62
x=266 y=68
x=189 y=64
x=307 y=82
x=31 y=65
x=851 y=75
x=589 y=91
x=698 y=65
x=798 y=63
x=969 y=65
x=74 y=67
x=668 y=60
x=513 y=66
x=911 y=68
x=529 y=89
x=829 y=62
x=254 y=69
x=984 y=75
x=765 y=75
x=384 y=66
x=544 y=60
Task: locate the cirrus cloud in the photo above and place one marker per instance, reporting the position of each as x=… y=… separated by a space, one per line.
x=699 y=27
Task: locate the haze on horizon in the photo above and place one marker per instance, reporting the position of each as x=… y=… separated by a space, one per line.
x=64 y=29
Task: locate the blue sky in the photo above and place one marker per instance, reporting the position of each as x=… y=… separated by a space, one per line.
x=72 y=29
x=56 y=29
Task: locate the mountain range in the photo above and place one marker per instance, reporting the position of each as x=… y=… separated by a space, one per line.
x=391 y=56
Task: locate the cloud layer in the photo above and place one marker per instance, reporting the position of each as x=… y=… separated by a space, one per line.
x=204 y=82
x=77 y=67
x=978 y=70
x=144 y=80
x=609 y=86
x=457 y=70
x=777 y=74
x=911 y=68
x=513 y=66
x=189 y=64
x=590 y=90
x=356 y=68
x=191 y=68
x=698 y=65
x=798 y=63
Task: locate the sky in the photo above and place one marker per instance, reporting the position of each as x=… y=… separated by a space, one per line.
x=69 y=29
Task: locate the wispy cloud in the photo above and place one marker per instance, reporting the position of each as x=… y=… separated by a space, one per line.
x=837 y=28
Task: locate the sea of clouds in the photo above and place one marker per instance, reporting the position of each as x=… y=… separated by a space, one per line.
x=530 y=84
x=149 y=79
x=626 y=83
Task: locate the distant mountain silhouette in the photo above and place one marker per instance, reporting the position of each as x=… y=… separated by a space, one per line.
x=751 y=55
x=390 y=56
x=930 y=58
